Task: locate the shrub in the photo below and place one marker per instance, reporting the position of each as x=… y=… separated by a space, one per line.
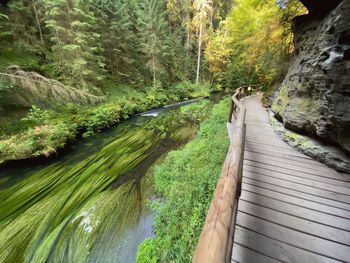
x=37 y=116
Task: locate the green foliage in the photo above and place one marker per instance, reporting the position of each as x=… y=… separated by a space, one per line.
x=253 y=43
x=18 y=56
x=146 y=251
x=183 y=89
x=185 y=187
x=187 y=89
x=76 y=45
x=101 y=118
x=37 y=116
x=45 y=131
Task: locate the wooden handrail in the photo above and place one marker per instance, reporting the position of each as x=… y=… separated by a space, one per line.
x=215 y=241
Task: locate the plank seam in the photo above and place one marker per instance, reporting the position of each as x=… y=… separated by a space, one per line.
x=275 y=165
x=300 y=191
x=274 y=209
x=284 y=179
x=289 y=244
x=286 y=173
x=294 y=229
x=258 y=252
x=309 y=200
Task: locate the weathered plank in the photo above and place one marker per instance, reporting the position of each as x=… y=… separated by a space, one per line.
x=299 y=194
x=314 y=181
x=296 y=198
x=273 y=152
x=243 y=254
x=294 y=238
x=275 y=249
x=291 y=164
x=295 y=223
x=302 y=188
x=267 y=169
x=301 y=212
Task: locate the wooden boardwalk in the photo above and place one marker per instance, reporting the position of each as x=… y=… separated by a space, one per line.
x=292 y=208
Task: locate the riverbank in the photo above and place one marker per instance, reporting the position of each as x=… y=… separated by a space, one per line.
x=185 y=182
x=40 y=132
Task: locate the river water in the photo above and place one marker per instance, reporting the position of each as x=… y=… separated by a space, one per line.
x=90 y=204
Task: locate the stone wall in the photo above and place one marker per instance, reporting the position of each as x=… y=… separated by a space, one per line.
x=314 y=98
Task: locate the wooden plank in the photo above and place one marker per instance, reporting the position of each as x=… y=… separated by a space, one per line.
x=243 y=254
x=266 y=156
x=294 y=238
x=295 y=223
x=295 y=210
x=298 y=168
x=269 y=143
x=264 y=134
x=295 y=199
x=270 y=146
x=268 y=169
x=274 y=248
x=290 y=152
x=302 y=195
x=274 y=152
x=297 y=179
x=306 y=167
x=309 y=192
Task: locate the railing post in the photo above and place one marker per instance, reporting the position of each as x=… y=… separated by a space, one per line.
x=232 y=109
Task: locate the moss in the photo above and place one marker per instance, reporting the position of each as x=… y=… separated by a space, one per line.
x=303 y=109
x=280 y=102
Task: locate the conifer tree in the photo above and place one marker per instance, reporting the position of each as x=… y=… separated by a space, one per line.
x=26 y=19
x=75 y=43
x=118 y=38
x=5 y=27
x=154 y=31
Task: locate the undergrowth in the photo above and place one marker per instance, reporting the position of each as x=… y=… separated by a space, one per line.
x=185 y=183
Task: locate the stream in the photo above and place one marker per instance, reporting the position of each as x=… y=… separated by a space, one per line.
x=90 y=204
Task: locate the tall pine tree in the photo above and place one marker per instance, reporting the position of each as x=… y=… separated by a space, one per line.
x=76 y=50
x=154 y=32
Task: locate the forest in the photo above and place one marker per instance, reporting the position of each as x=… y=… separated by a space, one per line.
x=108 y=110
x=72 y=67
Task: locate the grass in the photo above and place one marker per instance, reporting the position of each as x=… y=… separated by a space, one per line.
x=185 y=183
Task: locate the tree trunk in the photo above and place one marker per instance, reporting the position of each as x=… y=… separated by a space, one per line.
x=199 y=52
x=38 y=23
x=188 y=30
x=154 y=71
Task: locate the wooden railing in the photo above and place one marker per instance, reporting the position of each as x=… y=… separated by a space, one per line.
x=215 y=241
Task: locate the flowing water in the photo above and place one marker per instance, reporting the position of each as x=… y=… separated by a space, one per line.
x=89 y=205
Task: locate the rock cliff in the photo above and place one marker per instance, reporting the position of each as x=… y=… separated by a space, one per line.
x=314 y=97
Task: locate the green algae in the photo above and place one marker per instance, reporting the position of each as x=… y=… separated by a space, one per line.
x=74 y=209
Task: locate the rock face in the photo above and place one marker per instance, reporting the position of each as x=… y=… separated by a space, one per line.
x=314 y=98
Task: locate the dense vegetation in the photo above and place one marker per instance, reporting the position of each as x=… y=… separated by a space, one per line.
x=75 y=67
x=65 y=57
x=186 y=180
x=86 y=64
